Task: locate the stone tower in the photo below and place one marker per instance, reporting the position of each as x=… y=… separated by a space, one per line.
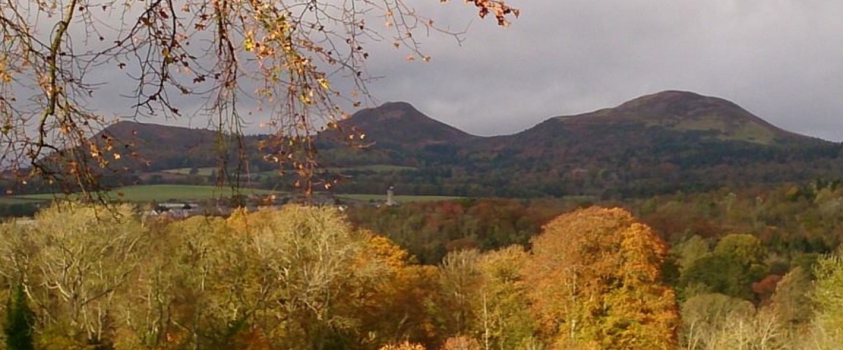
x=390 y=201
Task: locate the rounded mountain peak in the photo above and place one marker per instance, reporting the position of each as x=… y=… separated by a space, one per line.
x=389 y=111
x=685 y=112
x=679 y=103
x=399 y=123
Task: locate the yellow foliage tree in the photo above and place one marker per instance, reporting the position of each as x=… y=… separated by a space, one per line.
x=828 y=297
x=75 y=263
x=597 y=283
x=502 y=310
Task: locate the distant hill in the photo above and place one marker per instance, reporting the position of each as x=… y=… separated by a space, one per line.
x=658 y=143
x=686 y=111
x=151 y=147
x=400 y=125
x=395 y=133
x=662 y=142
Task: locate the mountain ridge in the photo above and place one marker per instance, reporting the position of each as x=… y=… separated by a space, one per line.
x=656 y=143
x=401 y=111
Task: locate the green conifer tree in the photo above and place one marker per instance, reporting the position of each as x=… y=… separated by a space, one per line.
x=19 y=322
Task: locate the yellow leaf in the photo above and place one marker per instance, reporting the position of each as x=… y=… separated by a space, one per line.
x=324 y=83
x=248 y=44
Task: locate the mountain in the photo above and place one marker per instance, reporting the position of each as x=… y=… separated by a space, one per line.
x=686 y=111
x=680 y=113
x=400 y=125
x=658 y=143
x=661 y=142
x=395 y=133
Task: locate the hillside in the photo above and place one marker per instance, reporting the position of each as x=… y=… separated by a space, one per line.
x=158 y=147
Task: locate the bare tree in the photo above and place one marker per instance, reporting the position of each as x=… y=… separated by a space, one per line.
x=222 y=55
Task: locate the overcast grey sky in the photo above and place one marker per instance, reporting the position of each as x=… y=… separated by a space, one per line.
x=780 y=59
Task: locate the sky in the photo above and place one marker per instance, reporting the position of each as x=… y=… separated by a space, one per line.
x=780 y=59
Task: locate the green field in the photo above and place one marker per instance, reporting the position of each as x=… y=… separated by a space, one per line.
x=400 y=199
x=148 y=193
x=10 y=200
x=159 y=193
x=378 y=168
x=186 y=171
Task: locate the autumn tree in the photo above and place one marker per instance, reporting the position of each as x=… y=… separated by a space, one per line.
x=829 y=300
x=717 y=321
x=459 y=281
x=301 y=273
x=596 y=283
x=392 y=307
x=792 y=299
x=705 y=318
x=222 y=60
x=503 y=316
x=187 y=288
x=74 y=262
x=305 y=279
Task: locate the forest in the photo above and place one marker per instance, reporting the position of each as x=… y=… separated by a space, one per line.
x=749 y=269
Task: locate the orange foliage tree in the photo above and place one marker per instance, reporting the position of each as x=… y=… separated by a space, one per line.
x=392 y=307
x=597 y=283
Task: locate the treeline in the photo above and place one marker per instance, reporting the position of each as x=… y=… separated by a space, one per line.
x=428 y=230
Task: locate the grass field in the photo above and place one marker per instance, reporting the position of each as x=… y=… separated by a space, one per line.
x=186 y=171
x=378 y=168
x=400 y=199
x=9 y=200
x=148 y=193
